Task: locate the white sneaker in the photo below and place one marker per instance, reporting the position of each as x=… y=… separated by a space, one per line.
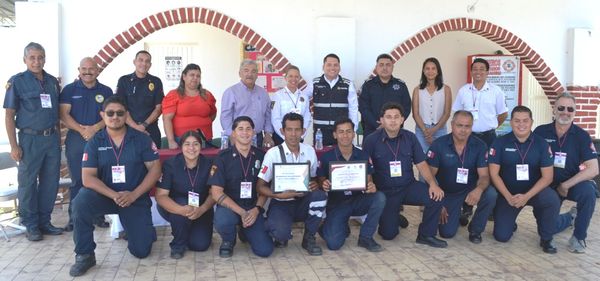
x=576 y=246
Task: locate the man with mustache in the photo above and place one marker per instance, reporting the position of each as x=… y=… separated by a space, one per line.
x=572 y=147
x=80 y=106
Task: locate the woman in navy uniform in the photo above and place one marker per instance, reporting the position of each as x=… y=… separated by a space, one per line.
x=183 y=197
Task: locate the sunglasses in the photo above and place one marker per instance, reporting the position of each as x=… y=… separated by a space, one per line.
x=562 y=108
x=120 y=113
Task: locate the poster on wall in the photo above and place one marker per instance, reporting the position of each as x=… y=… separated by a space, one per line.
x=504 y=72
x=173 y=69
x=268 y=76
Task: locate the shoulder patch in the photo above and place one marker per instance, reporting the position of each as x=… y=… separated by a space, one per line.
x=346 y=80
x=8 y=84
x=492 y=152
x=430 y=154
x=213 y=170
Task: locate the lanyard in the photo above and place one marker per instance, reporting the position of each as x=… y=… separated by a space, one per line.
x=474 y=97
x=113 y=147
x=192 y=182
x=523 y=155
x=294 y=102
x=560 y=144
x=395 y=153
x=463 y=155
x=245 y=170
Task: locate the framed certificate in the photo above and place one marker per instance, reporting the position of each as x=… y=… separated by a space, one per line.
x=291 y=176
x=350 y=175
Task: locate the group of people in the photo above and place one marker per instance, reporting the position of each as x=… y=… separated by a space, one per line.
x=113 y=141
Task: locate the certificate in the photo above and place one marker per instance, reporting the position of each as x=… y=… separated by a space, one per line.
x=350 y=175
x=291 y=176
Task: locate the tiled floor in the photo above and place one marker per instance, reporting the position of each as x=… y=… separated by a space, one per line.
x=402 y=259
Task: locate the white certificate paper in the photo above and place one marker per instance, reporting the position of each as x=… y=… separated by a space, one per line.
x=291 y=176
x=351 y=175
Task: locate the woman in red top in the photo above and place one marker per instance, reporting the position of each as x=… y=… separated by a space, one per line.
x=189 y=107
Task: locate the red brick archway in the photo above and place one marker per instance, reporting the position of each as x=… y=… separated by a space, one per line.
x=165 y=19
x=530 y=58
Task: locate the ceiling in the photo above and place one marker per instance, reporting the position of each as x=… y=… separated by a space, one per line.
x=7 y=13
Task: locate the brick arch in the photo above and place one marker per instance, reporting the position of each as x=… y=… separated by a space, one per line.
x=168 y=18
x=517 y=46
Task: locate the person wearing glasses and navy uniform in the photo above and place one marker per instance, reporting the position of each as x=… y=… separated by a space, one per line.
x=572 y=147
x=120 y=166
x=143 y=94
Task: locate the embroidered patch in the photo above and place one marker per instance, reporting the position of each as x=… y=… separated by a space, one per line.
x=99 y=98
x=151 y=86
x=213 y=170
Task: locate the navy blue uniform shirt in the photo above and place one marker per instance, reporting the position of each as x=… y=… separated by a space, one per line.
x=335 y=155
x=136 y=148
x=381 y=150
x=504 y=152
x=23 y=95
x=576 y=143
x=141 y=94
x=375 y=94
x=442 y=155
x=227 y=172
x=178 y=179
x=86 y=103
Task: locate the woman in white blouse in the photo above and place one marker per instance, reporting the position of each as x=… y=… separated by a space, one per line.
x=289 y=99
x=431 y=104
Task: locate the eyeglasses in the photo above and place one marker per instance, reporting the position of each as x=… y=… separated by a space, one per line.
x=120 y=113
x=562 y=108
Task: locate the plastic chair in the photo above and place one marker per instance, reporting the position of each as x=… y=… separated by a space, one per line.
x=9 y=192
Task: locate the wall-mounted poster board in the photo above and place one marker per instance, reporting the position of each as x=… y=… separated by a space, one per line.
x=268 y=77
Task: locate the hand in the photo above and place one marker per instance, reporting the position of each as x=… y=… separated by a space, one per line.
x=562 y=190
x=371 y=187
x=185 y=210
x=173 y=144
x=288 y=194
x=250 y=217
x=195 y=213
x=326 y=185
x=429 y=139
x=435 y=192
x=473 y=197
x=140 y=128
x=520 y=200
x=268 y=140
x=16 y=153
x=444 y=216
x=87 y=132
x=312 y=185
x=427 y=132
x=125 y=198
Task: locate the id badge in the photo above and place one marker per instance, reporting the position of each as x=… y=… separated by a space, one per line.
x=560 y=158
x=475 y=113
x=522 y=172
x=462 y=175
x=193 y=199
x=46 y=101
x=245 y=190
x=118 y=174
x=395 y=169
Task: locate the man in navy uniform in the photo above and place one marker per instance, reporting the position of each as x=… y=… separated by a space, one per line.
x=572 y=147
x=80 y=106
x=343 y=204
x=393 y=151
x=459 y=162
x=289 y=206
x=143 y=94
x=31 y=104
x=520 y=166
x=379 y=90
x=120 y=165
x=233 y=187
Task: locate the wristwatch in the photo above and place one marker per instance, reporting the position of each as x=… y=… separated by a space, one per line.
x=260 y=209
x=144 y=124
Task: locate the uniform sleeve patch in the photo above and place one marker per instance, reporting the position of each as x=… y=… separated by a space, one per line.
x=430 y=154
x=264 y=169
x=492 y=152
x=213 y=170
x=85 y=157
x=7 y=85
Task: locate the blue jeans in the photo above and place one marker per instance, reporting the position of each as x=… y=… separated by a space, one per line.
x=38 y=175
x=584 y=193
x=421 y=137
x=338 y=213
x=546 y=206
x=195 y=235
x=282 y=214
x=225 y=224
x=416 y=193
x=453 y=202
x=136 y=220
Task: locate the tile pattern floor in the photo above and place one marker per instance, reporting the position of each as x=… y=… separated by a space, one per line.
x=519 y=259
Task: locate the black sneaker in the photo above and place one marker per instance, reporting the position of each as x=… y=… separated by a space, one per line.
x=50 y=229
x=101 y=222
x=548 y=246
x=402 y=221
x=68 y=227
x=475 y=238
x=369 y=244
x=34 y=234
x=432 y=241
x=82 y=264
x=280 y=244
x=176 y=254
x=226 y=249
x=309 y=243
x=463 y=219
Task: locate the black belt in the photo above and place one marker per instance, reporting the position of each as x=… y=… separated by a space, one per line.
x=484 y=132
x=45 y=133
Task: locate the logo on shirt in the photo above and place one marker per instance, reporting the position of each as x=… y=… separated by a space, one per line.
x=151 y=86
x=396 y=87
x=272 y=104
x=550 y=140
x=301 y=99
x=492 y=152
x=104 y=148
x=213 y=170
x=510 y=149
x=264 y=169
x=99 y=98
x=430 y=154
x=85 y=157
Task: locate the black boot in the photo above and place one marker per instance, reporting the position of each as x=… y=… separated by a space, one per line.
x=82 y=264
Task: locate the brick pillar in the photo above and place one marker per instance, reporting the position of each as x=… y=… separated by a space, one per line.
x=588 y=101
